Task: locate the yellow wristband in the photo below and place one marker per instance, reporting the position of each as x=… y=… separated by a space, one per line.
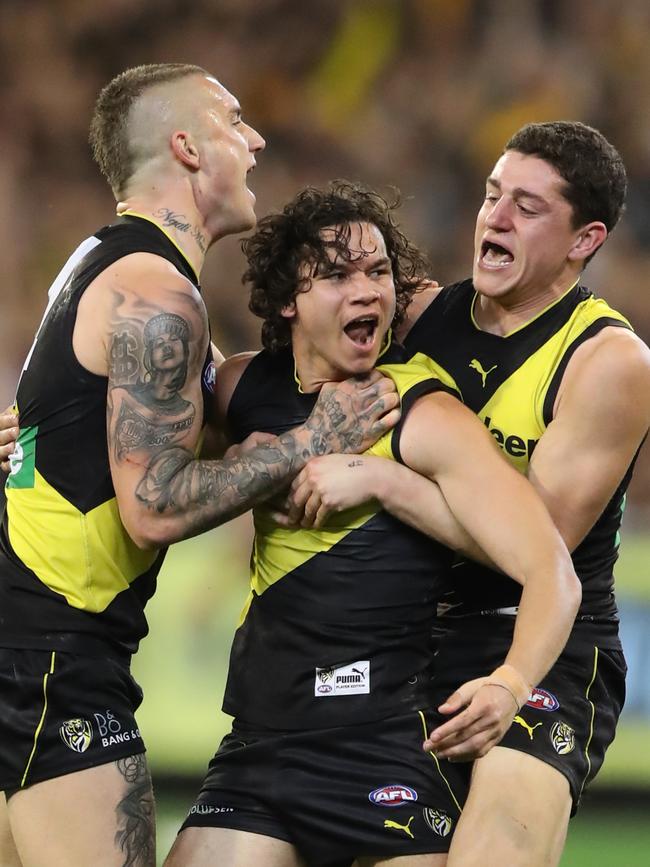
x=509 y=678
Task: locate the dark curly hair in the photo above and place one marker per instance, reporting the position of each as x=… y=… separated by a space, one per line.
x=284 y=242
x=596 y=180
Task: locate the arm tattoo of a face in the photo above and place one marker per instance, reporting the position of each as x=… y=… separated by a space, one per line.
x=148 y=374
x=136 y=829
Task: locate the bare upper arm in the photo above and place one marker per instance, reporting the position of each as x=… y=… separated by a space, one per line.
x=601 y=415
x=443 y=440
x=145 y=327
x=440 y=435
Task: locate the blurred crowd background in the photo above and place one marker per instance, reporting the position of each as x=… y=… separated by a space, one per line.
x=417 y=94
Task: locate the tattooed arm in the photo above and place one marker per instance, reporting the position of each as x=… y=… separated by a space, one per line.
x=155 y=344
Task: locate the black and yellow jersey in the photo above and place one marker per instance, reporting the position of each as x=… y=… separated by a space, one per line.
x=70 y=576
x=512 y=382
x=337 y=626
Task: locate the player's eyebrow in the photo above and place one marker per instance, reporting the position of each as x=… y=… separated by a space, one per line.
x=518 y=192
x=342 y=262
x=382 y=262
x=235 y=113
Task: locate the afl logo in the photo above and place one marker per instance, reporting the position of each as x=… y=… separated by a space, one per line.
x=76 y=734
x=393 y=796
x=541 y=699
x=210 y=376
x=324 y=688
x=563 y=738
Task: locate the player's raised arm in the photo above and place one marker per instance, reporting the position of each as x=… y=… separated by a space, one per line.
x=154 y=420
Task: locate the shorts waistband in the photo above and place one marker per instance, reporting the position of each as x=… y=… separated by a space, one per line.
x=81 y=646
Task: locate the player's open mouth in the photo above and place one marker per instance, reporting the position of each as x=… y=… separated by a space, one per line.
x=362 y=330
x=494 y=255
x=249 y=171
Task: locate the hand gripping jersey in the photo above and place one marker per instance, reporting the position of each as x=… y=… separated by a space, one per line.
x=336 y=630
x=511 y=382
x=70 y=576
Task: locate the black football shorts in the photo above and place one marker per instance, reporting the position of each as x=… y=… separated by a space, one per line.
x=571 y=716
x=336 y=793
x=62 y=712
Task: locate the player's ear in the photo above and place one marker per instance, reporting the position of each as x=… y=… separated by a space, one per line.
x=184 y=148
x=289 y=310
x=588 y=240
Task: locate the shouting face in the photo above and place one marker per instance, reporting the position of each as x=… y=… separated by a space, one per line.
x=344 y=309
x=525 y=243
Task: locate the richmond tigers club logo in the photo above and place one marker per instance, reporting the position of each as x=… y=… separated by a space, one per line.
x=76 y=734
x=563 y=738
x=439 y=822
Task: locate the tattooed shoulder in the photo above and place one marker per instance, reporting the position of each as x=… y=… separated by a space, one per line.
x=148 y=371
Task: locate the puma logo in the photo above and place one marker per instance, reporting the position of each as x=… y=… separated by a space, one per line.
x=530 y=729
x=478 y=367
x=388 y=823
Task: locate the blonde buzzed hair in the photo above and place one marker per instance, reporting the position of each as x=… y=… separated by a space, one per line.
x=108 y=137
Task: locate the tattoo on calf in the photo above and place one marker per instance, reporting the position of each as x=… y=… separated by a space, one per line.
x=136 y=832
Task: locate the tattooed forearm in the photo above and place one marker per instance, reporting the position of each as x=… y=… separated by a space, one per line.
x=205 y=493
x=182 y=496
x=136 y=832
